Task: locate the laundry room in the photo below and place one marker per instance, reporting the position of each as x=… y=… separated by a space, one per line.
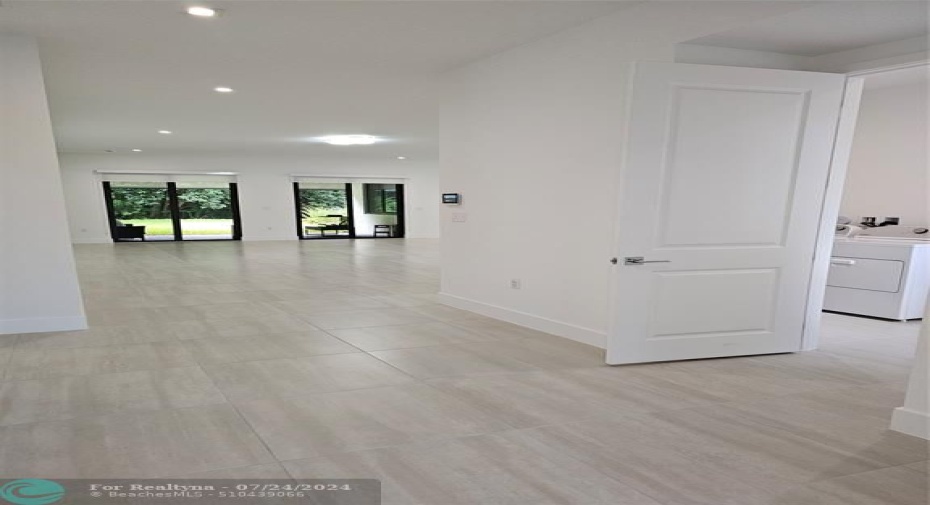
x=880 y=265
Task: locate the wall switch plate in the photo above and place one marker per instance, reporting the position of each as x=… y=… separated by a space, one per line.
x=516 y=284
x=459 y=217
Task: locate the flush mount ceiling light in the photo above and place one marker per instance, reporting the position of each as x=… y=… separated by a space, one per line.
x=349 y=140
x=401 y=157
x=223 y=89
x=165 y=132
x=202 y=12
x=137 y=150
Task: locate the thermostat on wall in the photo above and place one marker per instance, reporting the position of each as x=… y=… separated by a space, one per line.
x=452 y=198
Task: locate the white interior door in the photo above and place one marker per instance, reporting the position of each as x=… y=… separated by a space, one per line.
x=723 y=187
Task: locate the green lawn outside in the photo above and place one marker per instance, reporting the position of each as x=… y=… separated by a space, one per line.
x=313 y=217
x=188 y=226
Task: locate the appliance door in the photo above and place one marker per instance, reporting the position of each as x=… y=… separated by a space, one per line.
x=866 y=273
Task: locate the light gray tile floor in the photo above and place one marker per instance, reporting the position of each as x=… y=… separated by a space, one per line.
x=334 y=359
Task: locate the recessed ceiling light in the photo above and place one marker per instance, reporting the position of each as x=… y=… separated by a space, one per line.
x=223 y=89
x=401 y=157
x=349 y=140
x=202 y=12
x=137 y=150
x=165 y=132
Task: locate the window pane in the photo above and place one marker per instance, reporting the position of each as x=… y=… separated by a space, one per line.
x=380 y=198
x=205 y=212
x=390 y=200
x=323 y=210
x=141 y=210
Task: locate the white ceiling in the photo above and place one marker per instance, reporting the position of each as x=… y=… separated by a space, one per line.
x=828 y=28
x=118 y=71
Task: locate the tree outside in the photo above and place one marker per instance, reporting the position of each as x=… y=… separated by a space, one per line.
x=316 y=204
x=203 y=211
x=204 y=203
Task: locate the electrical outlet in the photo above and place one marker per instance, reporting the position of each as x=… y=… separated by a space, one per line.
x=516 y=284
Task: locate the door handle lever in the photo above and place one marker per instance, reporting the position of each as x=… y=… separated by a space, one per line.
x=639 y=260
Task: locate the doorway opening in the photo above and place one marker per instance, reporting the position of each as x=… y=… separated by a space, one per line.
x=155 y=211
x=881 y=246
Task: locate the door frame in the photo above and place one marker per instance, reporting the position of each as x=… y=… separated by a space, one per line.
x=175 y=208
x=111 y=212
x=833 y=196
x=400 y=231
x=236 y=210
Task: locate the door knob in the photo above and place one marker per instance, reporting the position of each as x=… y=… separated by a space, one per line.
x=639 y=260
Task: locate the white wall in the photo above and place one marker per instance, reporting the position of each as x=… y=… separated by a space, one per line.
x=266 y=195
x=38 y=281
x=532 y=140
x=913 y=417
x=888 y=171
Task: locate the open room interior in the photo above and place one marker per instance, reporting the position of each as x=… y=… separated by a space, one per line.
x=467 y=252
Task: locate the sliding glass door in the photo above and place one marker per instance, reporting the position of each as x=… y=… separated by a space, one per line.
x=206 y=210
x=324 y=210
x=168 y=211
x=343 y=209
x=139 y=211
x=382 y=210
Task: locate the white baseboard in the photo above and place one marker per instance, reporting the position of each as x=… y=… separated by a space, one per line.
x=569 y=331
x=272 y=238
x=268 y=238
x=93 y=240
x=911 y=422
x=43 y=324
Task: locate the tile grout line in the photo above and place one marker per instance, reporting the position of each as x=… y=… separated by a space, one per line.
x=356 y=271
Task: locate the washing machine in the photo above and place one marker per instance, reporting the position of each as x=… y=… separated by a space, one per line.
x=880 y=272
